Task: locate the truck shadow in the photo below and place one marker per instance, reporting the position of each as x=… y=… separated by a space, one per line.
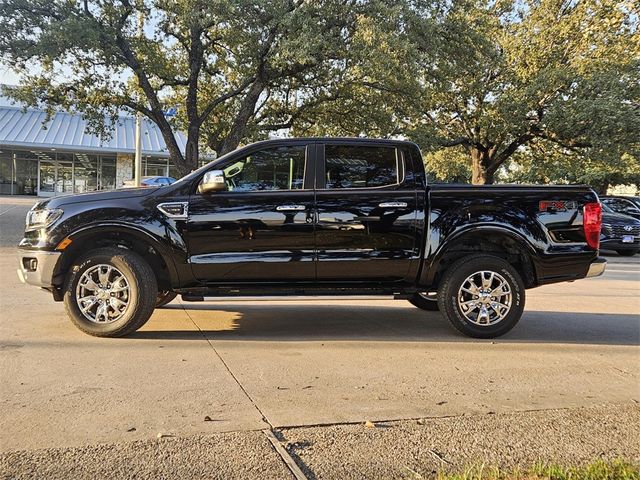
x=320 y=320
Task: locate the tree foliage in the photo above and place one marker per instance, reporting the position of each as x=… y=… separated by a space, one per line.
x=510 y=73
x=223 y=63
x=544 y=164
x=482 y=86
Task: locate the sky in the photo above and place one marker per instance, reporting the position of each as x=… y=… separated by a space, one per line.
x=7 y=75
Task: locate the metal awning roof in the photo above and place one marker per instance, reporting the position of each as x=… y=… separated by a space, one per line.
x=66 y=131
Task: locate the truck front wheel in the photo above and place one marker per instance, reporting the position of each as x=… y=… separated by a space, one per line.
x=482 y=296
x=110 y=292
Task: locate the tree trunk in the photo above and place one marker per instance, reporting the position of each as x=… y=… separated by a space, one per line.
x=191 y=150
x=170 y=141
x=239 y=126
x=600 y=186
x=481 y=171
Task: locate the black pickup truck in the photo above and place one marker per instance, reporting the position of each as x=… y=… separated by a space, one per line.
x=319 y=216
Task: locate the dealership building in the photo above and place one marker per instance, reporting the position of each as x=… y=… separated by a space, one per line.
x=48 y=157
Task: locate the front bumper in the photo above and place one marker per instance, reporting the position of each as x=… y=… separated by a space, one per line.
x=37 y=267
x=618 y=244
x=597 y=267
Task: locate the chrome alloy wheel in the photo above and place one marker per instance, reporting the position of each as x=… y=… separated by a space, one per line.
x=485 y=298
x=102 y=294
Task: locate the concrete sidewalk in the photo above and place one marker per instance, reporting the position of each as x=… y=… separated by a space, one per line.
x=405 y=449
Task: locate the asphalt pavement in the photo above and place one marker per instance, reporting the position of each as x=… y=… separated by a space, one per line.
x=214 y=378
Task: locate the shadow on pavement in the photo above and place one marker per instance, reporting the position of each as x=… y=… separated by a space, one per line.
x=318 y=322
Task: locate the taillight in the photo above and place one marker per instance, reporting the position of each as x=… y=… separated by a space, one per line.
x=592 y=222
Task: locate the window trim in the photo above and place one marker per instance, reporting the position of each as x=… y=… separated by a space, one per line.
x=244 y=153
x=321 y=169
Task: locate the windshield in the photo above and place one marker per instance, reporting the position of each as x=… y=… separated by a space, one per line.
x=606 y=208
x=635 y=200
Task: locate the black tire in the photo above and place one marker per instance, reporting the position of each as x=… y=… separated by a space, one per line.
x=455 y=277
x=164 y=297
x=627 y=253
x=425 y=301
x=142 y=291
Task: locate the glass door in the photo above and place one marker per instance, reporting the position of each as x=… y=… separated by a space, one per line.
x=64 y=178
x=55 y=178
x=47 y=179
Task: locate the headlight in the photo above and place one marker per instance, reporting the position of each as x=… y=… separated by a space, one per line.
x=42 y=218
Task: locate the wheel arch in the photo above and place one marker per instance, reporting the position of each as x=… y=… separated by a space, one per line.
x=129 y=237
x=487 y=239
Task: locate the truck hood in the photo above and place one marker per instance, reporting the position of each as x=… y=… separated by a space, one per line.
x=95 y=197
x=619 y=219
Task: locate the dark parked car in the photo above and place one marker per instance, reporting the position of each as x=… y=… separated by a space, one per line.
x=157 y=181
x=619 y=232
x=318 y=216
x=625 y=205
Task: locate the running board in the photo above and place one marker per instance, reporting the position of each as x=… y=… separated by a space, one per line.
x=287 y=292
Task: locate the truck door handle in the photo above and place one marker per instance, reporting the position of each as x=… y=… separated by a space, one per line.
x=393 y=205
x=291 y=208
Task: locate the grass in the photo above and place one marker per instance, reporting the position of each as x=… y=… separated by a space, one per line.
x=598 y=470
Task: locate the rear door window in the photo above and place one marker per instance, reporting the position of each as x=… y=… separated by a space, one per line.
x=360 y=166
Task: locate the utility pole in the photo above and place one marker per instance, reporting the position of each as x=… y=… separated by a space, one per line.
x=138 y=155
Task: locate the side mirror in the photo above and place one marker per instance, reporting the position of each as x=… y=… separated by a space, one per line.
x=213 y=181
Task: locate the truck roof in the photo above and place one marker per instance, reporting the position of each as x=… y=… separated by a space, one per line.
x=350 y=140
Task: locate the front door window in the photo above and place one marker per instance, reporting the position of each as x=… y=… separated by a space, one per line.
x=269 y=169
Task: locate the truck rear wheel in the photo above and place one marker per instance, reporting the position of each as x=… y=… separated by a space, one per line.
x=482 y=296
x=110 y=292
x=425 y=301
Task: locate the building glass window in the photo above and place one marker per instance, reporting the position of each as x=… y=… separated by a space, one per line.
x=25 y=168
x=49 y=172
x=64 y=173
x=85 y=173
x=155 y=167
x=107 y=172
x=6 y=172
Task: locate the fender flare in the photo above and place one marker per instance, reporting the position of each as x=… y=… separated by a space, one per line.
x=140 y=233
x=500 y=229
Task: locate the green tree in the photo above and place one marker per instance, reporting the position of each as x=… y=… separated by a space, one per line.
x=374 y=91
x=563 y=73
x=552 y=164
x=449 y=165
x=221 y=62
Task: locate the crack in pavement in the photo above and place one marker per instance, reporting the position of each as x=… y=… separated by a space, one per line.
x=289 y=462
x=204 y=336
